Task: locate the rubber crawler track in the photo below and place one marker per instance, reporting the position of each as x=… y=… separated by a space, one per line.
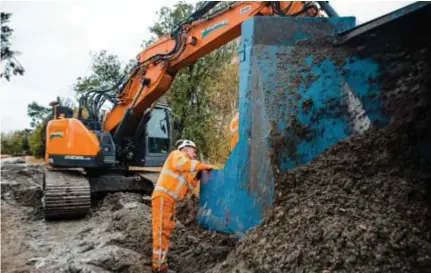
x=67 y=194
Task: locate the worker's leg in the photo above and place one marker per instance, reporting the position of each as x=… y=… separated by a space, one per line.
x=163 y=210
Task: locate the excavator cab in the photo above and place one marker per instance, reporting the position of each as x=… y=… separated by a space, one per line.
x=153 y=141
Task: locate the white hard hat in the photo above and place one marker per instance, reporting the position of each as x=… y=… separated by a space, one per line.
x=185 y=143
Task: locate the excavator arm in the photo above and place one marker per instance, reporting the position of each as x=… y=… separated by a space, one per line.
x=135 y=133
x=194 y=38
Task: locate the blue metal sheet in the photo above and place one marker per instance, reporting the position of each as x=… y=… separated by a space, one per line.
x=235 y=198
x=301 y=93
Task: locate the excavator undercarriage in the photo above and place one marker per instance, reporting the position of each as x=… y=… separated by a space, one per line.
x=68 y=192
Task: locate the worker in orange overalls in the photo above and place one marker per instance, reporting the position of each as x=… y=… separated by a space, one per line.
x=234 y=131
x=174 y=182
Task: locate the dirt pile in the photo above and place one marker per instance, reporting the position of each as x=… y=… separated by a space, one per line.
x=22 y=182
x=359 y=207
x=364 y=204
x=204 y=248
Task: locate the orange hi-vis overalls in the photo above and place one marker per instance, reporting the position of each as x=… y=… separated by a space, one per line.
x=234 y=131
x=174 y=182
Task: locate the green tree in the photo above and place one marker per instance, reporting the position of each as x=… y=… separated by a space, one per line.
x=40 y=115
x=25 y=146
x=6 y=145
x=37 y=113
x=15 y=142
x=106 y=71
x=10 y=65
x=188 y=95
x=168 y=19
x=223 y=93
x=36 y=143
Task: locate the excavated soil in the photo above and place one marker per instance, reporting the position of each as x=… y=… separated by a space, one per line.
x=364 y=205
x=22 y=182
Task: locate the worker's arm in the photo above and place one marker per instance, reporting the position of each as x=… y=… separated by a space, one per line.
x=192 y=181
x=183 y=164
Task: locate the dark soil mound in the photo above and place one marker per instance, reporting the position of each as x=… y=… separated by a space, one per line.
x=362 y=206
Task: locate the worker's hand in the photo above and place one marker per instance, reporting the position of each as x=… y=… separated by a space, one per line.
x=208 y=167
x=202 y=175
x=199 y=175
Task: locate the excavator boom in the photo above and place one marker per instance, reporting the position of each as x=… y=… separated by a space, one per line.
x=190 y=41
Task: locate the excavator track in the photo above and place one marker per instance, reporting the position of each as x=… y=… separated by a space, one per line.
x=67 y=194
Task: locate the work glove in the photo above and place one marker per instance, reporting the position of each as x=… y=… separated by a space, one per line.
x=208 y=167
x=203 y=166
x=199 y=175
x=202 y=174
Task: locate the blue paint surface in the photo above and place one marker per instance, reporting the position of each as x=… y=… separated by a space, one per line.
x=285 y=86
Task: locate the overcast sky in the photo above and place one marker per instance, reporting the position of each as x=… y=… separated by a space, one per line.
x=56 y=38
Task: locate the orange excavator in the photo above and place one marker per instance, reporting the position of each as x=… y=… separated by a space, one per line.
x=95 y=154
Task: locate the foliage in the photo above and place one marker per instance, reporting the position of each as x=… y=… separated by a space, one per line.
x=10 y=65
x=40 y=115
x=223 y=97
x=189 y=95
x=106 y=72
x=168 y=19
x=15 y=143
x=37 y=146
x=37 y=113
x=6 y=144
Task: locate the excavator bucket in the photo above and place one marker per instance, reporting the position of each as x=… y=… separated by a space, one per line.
x=305 y=84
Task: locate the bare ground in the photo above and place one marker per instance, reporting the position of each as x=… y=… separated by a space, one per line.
x=115 y=237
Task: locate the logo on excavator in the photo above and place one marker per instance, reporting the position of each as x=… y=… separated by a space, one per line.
x=244 y=9
x=208 y=30
x=77 y=157
x=55 y=134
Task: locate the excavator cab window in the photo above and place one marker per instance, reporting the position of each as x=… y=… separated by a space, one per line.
x=158 y=131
